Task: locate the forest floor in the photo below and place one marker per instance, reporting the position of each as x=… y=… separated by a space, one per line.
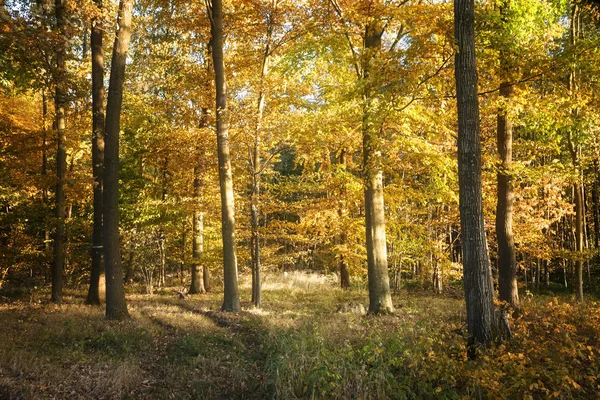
x=298 y=346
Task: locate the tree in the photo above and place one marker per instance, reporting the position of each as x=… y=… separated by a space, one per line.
x=476 y=266
x=98 y=123
x=507 y=261
x=60 y=100
x=198 y=239
x=380 y=299
x=116 y=307
x=231 y=301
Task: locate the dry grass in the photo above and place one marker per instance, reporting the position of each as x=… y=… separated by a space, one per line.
x=297 y=346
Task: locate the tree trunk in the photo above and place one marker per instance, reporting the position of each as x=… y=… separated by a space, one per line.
x=93 y=296
x=380 y=299
x=198 y=243
x=578 y=242
x=60 y=100
x=116 y=307
x=477 y=272
x=128 y=269
x=231 y=301
x=45 y=200
x=507 y=261
x=162 y=258
x=595 y=206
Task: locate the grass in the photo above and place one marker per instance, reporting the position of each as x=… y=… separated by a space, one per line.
x=297 y=346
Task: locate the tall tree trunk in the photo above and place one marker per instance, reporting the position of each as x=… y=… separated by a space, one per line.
x=45 y=200
x=507 y=261
x=93 y=296
x=577 y=187
x=60 y=100
x=116 y=307
x=380 y=299
x=198 y=243
x=595 y=203
x=162 y=258
x=342 y=210
x=477 y=272
x=231 y=300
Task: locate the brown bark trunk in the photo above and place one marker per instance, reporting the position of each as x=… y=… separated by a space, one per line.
x=507 y=262
x=45 y=200
x=231 y=301
x=128 y=269
x=477 y=272
x=574 y=150
x=116 y=306
x=380 y=299
x=93 y=296
x=58 y=265
x=595 y=206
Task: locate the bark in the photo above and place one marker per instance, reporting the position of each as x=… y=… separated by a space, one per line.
x=128 y=269
x=477 y=272
x=256 y=172
x=93 y=296
x=231 y=301
x=45 y=200
x=344 y=274
x=507 y=261
x=162 y=258
x=58 y=265
x=116 y=307
x=198 y=242
x=380 y=299
x=577 y=188
x=595 y=205
x=342 y=210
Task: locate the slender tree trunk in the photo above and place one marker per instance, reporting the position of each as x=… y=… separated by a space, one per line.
x=477 y=272
x=93 y=296
x=58 y=266
x=231 y=300
x=574 y=150
x=162 y=258
x=507 y=261
x=183 y=252
x=578 y=242
x=116 y=306
x=342 y=211
x=595 y=206
x=198 y=243
x=128 y=269
x=380 y=299
x=45 y=200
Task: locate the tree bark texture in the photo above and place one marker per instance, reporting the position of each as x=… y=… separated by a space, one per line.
x=507 y=260
x=380 y=299
x=58 y=265
x=197 y=285
x=231 y=301
x=577 y=187
x=116 y=307
x=93 y=296
x=476 y=266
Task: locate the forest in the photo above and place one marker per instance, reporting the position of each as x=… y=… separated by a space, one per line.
x=320 y=199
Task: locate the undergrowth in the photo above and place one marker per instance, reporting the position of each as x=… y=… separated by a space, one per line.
x=298 y=346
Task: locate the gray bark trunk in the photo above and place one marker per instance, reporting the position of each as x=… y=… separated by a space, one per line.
x=93 y=296
x=231 y=301
x=380 y=299
x=477 y=272
x=116 y=307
